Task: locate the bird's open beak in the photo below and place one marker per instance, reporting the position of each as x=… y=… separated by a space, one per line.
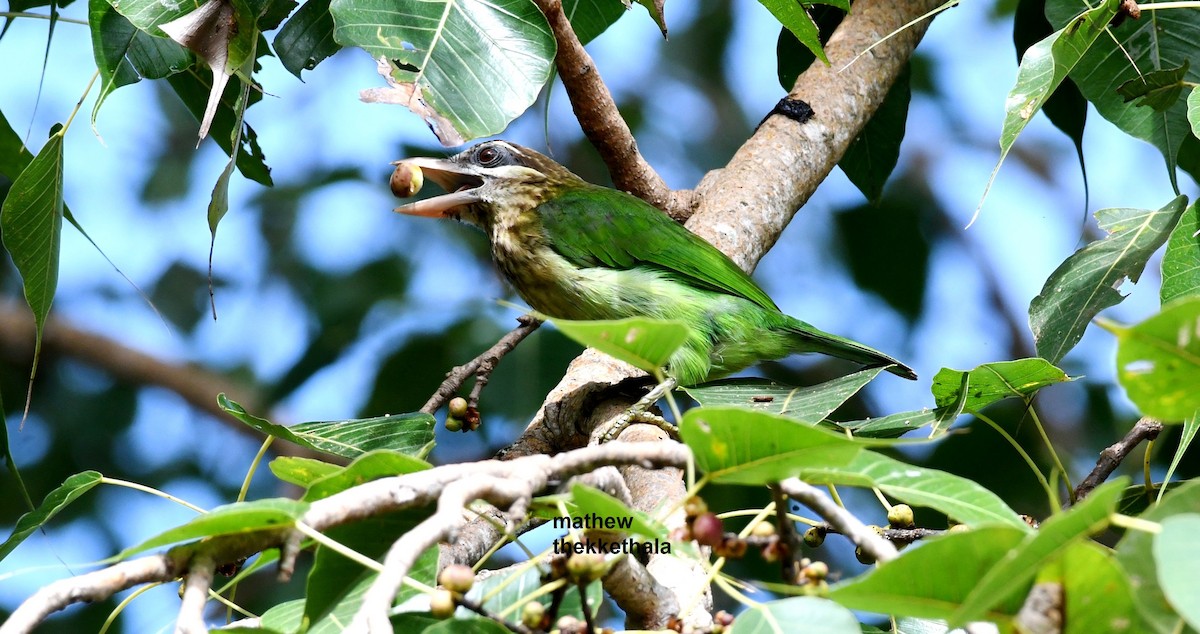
x=459 y=184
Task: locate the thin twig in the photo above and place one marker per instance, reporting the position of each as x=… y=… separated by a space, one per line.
x=480 y=367
x=789 y=566
x=879 y=548
x=1111 y=457
x=478 y=608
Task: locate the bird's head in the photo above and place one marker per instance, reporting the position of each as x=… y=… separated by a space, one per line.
x=481 y=179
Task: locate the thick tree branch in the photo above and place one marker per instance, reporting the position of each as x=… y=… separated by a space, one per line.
x=745 y=206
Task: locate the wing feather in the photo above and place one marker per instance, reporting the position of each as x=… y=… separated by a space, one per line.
x=597 y=226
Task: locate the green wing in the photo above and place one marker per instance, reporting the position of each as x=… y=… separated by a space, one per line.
x=597 y=226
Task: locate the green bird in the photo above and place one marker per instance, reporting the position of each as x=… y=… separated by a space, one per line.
x=575 y=250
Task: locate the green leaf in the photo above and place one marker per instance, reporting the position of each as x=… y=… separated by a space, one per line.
x=193 y=88
x=794 y=18
x=1158 y=41
x=742 y=446
x=1158 y=89
x=410 y=434
x=819 y=616
x=905 y=585
x=380 y=463
x=1193 y=111
x=895 y=425
x=301 y=471
x=1097 y=593
x=146 y=15
x=1066 y=108
x=307 y=38
x=590 y=18
x=508 y=586
x=1190 y=426
x=1135 y=552
x=466 y=68
x=1010 y=577
x=959 y=498
x=336 y=584
x=230 y=519
x=639 y=341
x=11 y=463
x=812 y=404
x=1086 y=282
x=124 y=54
x=31 y=227
x=1043 y=67
x=1181 y=262
x=1158 y=361
x=56 y=501
x=872 y=156
x=591 y=501
x=992 y=382
x=1177 y=556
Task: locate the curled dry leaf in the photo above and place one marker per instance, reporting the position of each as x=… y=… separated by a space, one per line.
x=409 y=95
x=207 y=31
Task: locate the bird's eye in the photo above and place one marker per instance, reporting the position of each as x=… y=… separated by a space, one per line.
x=489 y=156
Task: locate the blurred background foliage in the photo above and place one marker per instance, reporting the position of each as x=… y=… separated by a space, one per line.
x=331 y=307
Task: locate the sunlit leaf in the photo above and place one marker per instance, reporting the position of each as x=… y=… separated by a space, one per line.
x=1158 y=361
x=1190 y=426
x=31 y=227
x=641 y=342
x=507 y=586
x=1087 y=282
x=1011 y=576
x=819 y=616
x=795 y=19
x=958 y=498
x=1159 y=40
x=410 y=434
x=1135 y=553
x=1096 y=590
x=56 y=501
x=1181 y=262
x=1177 y=556
x=895 y=425
x=1193 y=111
x=813 y=403
x=590 y=502
x=1043 y=67
x=904 y=585
x=466 y=68
x=231 y=519
x=124 y=54
x=301 y=471
x=380 y=463
x=992 y=382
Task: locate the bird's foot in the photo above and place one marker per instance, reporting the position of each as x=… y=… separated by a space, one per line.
x=637 y=413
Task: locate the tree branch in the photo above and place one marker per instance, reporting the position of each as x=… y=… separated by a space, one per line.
x=745 y=206
x=490 y=479
x=602 y=123
x=839 y=518
x=1112 y=456
x=480 y=367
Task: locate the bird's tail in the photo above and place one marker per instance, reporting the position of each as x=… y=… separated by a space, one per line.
x=811 y=339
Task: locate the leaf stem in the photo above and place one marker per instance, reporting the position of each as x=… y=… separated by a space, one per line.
x=1050 y=447
x=40 y=16
x=79 y=104
x=152 y=491
x=1050 y=492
